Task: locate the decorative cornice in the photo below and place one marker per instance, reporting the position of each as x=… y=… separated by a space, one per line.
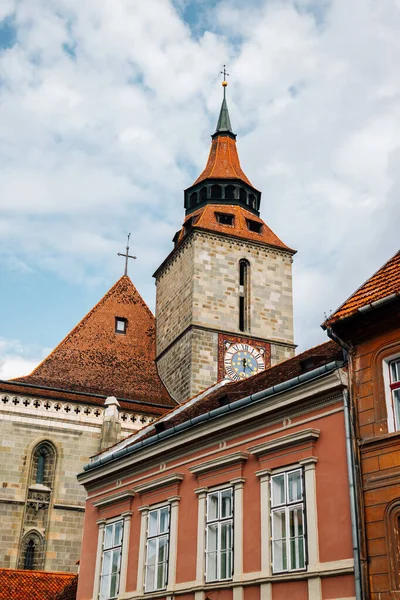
x=292 y=439
x=224 y=461
x=114 y=499
x=158 y=483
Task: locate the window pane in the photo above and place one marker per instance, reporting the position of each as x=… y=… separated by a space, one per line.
x=115 y=561
x=278 y=489
x=108 y=536
x=114 y=585
x=212 y=509
x=226 y=503
x=279 y=525
x=105 y=587
x=212 y=537
x=107 y=562
x=161 y=568
x=297 y=553
x=164 y=519
x=396 y=406
x=226 y=536
x=279 y=556
x=395 y=370
x=294 y=486
x=295 y=521
x=211 y=566
x=151 y=551
x=226 y=564
x=118 y=533
x=163 y=549
x=150 y=570
x=153 y=529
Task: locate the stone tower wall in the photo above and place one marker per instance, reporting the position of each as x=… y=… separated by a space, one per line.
x=205 y=274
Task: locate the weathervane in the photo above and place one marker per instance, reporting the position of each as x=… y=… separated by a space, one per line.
x=127 y=255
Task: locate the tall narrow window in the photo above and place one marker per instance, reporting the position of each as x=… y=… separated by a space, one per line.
x=111 y=560
x=32 y=552
x=29 y=555
x=287 y=516
x=394 y=368
x=157 y=549
x=41 y=465
x=244 y=302
x=219 y=535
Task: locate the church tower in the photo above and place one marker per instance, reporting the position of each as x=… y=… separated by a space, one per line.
x=224 y=293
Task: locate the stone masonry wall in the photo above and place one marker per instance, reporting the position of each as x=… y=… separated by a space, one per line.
x=174 y=297
x=174 y=367
x=216 y=287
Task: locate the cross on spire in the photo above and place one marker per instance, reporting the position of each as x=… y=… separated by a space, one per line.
x=127 y=255
x=225 y=74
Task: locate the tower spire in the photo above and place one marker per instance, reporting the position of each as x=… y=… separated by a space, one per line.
x=224 y=121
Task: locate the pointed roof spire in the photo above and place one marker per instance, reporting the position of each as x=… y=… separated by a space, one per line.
x=224 y=121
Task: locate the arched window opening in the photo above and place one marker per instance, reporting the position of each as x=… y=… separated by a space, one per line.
x=230 y=192
x=216 y=192
x=243 y=195
x=32 y=555
x=43 y=464
x=203 y=194
x=244 y=295
x=392 y=526
x=193 y=199
x=252 y=200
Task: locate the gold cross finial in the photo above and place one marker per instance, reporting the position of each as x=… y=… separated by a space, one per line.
x=127 y=255
x=225 y=74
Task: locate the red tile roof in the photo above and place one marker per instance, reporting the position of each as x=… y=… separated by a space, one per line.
x=206 y=218
x=223 y=161
x=70 y=590
x=94 y=359
x=382 y=284
x=288 y=369
x=32 y=585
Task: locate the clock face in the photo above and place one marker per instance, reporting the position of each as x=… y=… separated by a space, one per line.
x=242 y=361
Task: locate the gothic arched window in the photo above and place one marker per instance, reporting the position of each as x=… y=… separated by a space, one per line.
x=244 y=295
x=32 y=552
x=43 y=464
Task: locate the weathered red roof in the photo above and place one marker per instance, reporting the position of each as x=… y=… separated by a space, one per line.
x=223 y=161
x=288 y=369
x=384 y=283
x=206 y=218
x=94 y=359
x=32 y=585
x=70 y=590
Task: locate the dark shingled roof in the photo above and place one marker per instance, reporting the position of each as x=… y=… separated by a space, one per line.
x=302 y=363
x=32 y=585
x=382 y=284
x=94 y=359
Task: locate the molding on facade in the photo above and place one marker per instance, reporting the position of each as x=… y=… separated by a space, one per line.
x=114 y=498
x=299 y=437
x=217 y=463
x=158 y=483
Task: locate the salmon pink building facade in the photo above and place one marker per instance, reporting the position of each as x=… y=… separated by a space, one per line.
x=241 y=493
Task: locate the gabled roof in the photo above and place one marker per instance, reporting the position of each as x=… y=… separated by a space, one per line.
x=383 y=284
x=94 y=359
x=206 y=218
x=225 y=393
x=32 y=585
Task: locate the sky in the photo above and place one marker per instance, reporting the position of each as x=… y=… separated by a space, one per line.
x=106 y=111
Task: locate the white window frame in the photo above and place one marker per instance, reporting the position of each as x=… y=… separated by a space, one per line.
x=156 y=538
x=393 y=411
x=114 y=548
x=219 y=522
x=288 y=507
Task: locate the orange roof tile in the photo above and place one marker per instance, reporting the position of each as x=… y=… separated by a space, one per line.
x=94 y=359
x=32 y=585
x=205 y=218
x=223 y=161
x=382 y=284
x=70 y=590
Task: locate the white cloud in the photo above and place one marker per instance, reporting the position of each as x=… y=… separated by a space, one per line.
x=106 y=109
x=17 y=360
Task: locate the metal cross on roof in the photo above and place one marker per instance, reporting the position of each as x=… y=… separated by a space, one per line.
x=127 y=255
x=224 y=73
